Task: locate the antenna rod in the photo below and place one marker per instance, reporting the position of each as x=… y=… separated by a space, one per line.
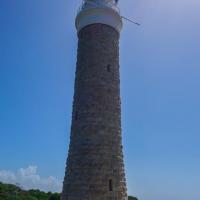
x=130 y=20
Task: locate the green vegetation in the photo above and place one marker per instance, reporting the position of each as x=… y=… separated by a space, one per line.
x=132 y=198
x=12 y=192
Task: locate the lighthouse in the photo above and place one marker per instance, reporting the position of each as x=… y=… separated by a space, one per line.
x=95 y=166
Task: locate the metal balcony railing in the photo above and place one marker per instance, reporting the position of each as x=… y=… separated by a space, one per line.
x=87 y=4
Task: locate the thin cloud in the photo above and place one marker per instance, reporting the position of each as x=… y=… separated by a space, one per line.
x=28 y=178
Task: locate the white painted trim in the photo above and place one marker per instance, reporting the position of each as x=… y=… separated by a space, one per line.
x=100 y=15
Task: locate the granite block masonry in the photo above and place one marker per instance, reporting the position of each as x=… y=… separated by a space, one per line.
x=95 y=167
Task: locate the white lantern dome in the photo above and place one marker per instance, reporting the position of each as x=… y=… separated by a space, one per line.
x=99 y=11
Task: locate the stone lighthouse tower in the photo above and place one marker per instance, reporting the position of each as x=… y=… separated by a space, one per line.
x=95 y=168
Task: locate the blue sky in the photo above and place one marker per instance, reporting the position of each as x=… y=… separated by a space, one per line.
x=160 y=81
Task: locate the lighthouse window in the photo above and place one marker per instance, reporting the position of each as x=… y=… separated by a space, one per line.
x=110 y=185
x=76 y=115
x=108 y=68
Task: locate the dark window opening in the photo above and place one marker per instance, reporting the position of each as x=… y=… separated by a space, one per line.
x=76 y=115
x=108 y=68
x=110 y=185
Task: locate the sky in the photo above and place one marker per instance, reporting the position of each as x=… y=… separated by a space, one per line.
x=160 y=81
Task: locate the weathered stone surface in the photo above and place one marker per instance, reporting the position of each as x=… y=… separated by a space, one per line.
x=95 y=168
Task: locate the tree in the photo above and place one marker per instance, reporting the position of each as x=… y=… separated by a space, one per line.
x=55 y=196
x=132 y=198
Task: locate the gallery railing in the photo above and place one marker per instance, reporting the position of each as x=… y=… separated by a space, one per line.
x=87 y=4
